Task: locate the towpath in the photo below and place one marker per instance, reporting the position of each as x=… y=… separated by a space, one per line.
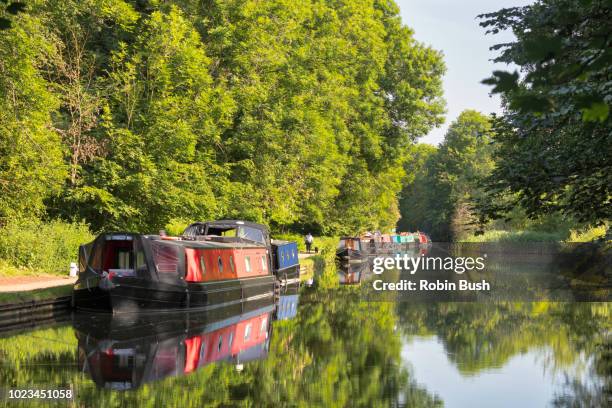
x=23 y=283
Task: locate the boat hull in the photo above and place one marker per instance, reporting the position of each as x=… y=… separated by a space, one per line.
x=128 y=295
x=350 y=255
x=288 y=276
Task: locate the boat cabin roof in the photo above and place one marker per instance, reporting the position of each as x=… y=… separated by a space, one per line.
x=244 y=229
x=204 y=243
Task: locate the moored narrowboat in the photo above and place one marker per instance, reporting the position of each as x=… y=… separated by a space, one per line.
x=128 y=272
x=350 y=250
x=285 y=261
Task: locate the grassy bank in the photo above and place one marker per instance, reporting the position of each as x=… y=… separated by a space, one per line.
x=321 y=266
x=584 y=235
x=34 y=247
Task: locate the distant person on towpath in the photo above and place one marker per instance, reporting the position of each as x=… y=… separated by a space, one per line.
x=308 y=241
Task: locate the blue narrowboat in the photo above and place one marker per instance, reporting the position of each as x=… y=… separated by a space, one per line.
x=285 y=260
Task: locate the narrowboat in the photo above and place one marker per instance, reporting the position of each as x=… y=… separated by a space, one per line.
x=124 y=354
x=422 y=238
x=371 y=243
x=350 y=250
x=285 y=261
x=129 y=272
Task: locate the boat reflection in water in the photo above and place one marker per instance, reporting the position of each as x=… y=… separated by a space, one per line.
x=354 y=274
x=288 y=301
x=125 y=352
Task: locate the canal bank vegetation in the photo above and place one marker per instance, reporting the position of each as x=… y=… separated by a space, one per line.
x=35 y=247
x=35 y=295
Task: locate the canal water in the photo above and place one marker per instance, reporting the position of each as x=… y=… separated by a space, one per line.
x=322 y=346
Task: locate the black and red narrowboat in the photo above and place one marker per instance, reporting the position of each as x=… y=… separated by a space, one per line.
x=124 y=354
x=127 y=272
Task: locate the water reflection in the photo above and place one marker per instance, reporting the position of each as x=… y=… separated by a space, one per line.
x=123 y=353
x=287 y=307
x=326 y=347
x=354 y=274
x=558 y=353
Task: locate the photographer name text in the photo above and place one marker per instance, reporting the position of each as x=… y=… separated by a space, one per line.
x=412 y=264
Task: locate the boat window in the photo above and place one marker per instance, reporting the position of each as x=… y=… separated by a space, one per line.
x=282 y=256
x=140 y=260
x=222 y=232
x=252 y=234
x=220 y=262
x=247 y=263
x=342 y=243
x=220 y=344
x=231 y=339
x=229 y=233
x=232 y=263
x=202 y=265
x=264 y=325
x=124 y=258
x=263 y=263
x=247 y=331
x=202 y=352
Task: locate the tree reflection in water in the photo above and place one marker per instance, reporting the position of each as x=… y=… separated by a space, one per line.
x=341 y=351
x=478 y=337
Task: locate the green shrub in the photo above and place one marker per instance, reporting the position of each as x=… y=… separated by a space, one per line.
x=47 y=247
x=176 y=226
x=587 y=235
x=292 y=237
x=324 y=244
x=514 y=236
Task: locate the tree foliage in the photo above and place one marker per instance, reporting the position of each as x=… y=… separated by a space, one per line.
x=554 y=141
x=440 y=196
x=294 y=114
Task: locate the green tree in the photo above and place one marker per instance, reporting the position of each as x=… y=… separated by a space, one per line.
x=441 y=197
x=162 y=126
x=414 y=198
x=553 y=143
x=31 y=167
x=295 y=114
